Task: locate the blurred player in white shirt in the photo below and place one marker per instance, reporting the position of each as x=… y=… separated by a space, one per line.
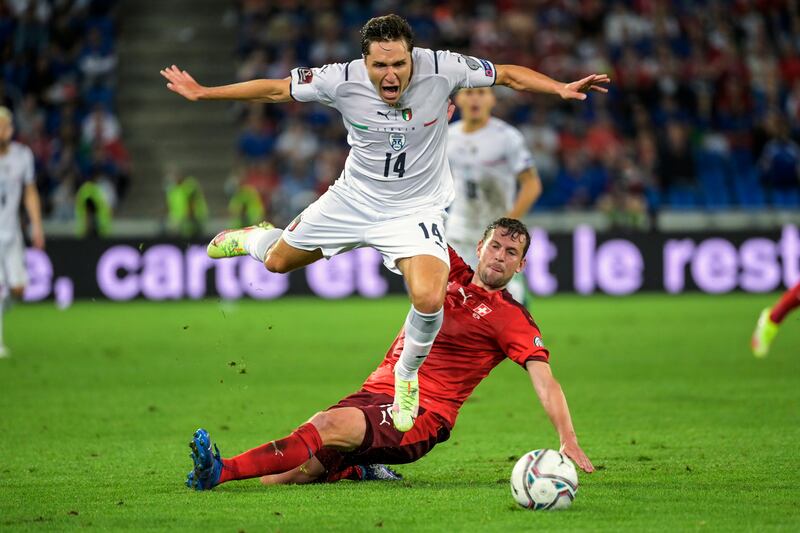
x=396 y=182
x=488 y=158
x=17 y=184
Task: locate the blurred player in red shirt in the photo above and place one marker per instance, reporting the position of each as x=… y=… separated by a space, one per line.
x=483 y=325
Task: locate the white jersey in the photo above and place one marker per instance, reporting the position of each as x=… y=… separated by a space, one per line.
x=485 y=165
x=397 y=162
x=16 y=171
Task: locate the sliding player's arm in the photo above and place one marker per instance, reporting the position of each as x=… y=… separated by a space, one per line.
x=264 y=91
x=555 y=405
x=524 y=79
x=530 y=188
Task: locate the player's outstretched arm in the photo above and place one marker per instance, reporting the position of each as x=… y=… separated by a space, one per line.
x=530 y=188
x=525 y=79
x=266 y=91
x=555 y=405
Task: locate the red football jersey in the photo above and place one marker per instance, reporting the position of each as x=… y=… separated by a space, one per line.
x=480 y=330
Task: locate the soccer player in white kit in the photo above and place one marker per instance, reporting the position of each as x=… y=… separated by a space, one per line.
x=16 y=184
x=488 y=157
x=396 y=182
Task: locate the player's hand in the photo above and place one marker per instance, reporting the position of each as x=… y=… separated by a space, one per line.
x=183 y=83
x=37 y=237
x=577 y=89
x=574 y=452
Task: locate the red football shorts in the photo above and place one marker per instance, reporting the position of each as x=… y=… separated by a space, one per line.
x=382 y=442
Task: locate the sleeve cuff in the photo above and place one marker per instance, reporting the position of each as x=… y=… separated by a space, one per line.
x=539 y=358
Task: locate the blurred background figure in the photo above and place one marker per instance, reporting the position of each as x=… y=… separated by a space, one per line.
x=780 y=168
x=246 y=207
x=17 y=189
x=93 y=208
x=187 y=211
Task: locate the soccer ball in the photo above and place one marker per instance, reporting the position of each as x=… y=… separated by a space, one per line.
x=544 y=479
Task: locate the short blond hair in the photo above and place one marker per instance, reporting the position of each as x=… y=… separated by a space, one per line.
x=6 y=114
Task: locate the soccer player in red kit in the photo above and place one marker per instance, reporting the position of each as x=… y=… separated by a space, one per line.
x=771 y=318
x=483 y=325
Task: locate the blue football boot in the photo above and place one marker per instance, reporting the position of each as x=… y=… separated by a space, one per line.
x=378 y=473
x=207 y=464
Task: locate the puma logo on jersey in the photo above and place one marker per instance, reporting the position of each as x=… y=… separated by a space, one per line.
x=464 y=295
x=386 y=115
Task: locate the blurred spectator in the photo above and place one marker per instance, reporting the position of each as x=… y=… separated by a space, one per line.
x=780 y=167
x=92 y=211
x=97 y=61
x=187 y=211
x=256 y=140
x=297 y=190
x=100 y=126
x=676 y=168
x=297 y=143
x=246 y=208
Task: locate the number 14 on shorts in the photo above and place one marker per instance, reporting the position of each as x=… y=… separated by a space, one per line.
x=434 y=231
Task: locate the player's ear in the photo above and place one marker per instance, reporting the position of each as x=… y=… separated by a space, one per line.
x=521 y=266
x=478 y=249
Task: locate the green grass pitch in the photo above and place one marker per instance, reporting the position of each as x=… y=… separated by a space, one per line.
x=687 y=429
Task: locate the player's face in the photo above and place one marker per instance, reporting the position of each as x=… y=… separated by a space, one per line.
x=389 y=69
x=499 y=258
x=6 y=131
x=475 y=104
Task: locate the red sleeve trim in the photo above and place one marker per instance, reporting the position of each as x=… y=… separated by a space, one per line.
x=541 y=358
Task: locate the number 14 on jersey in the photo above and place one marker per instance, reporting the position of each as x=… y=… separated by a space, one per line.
x=399 y=167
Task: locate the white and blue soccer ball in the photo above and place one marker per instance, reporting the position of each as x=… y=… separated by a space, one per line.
x=544 y=480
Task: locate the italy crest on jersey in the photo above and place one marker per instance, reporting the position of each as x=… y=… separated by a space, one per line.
x=397 y=141
x=406 y=114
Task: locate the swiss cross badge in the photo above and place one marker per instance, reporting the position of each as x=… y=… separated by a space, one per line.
x=483 y=310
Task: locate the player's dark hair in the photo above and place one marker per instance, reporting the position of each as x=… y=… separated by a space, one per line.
x=512 y=228
x=386 y=28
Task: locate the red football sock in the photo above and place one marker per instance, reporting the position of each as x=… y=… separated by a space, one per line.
x=274 y=457
x=788 y=301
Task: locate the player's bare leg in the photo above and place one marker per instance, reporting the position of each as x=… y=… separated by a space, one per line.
x=282 y=257
x=426 y=277
x=308 y=472
x=264 y=244
x=342 y=428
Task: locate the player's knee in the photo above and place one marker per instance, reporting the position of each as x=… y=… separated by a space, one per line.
x=430 y=301
x=325 y=425
x=276 y=264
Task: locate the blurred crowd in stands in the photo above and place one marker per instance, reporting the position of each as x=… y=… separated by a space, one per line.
x=58 y=77
x=703 y=107
x=703 y=110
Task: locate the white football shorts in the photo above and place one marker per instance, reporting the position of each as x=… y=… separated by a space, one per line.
x=336 y=224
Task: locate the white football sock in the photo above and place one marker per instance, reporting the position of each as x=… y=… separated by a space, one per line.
x=260 y=240
x=420 y=331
